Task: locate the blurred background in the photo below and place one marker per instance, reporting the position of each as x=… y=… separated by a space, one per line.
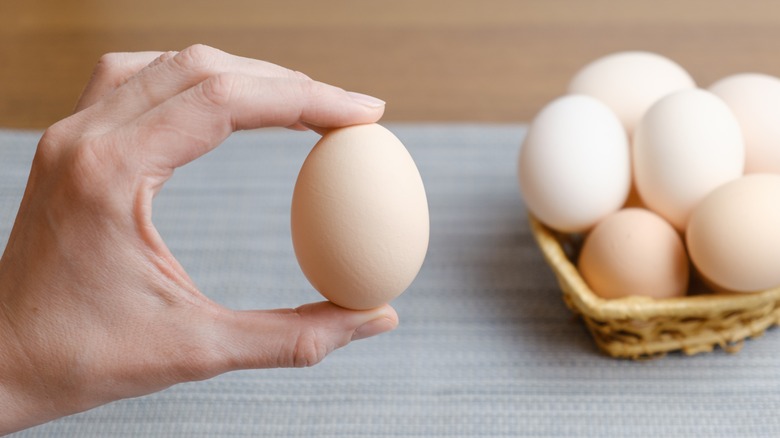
x=431 y=60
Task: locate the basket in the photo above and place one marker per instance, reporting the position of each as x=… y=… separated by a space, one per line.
x=641 y=327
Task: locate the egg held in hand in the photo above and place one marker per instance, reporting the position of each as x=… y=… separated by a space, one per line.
x=634 y=252
x=359 y=217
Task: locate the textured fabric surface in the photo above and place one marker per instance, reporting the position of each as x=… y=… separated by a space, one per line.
x=485 y=347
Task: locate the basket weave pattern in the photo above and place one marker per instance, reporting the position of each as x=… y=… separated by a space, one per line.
x=641 y=327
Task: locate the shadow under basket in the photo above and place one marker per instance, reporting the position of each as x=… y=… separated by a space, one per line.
x=641 y=327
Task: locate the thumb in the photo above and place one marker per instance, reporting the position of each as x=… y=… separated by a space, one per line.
x=298 y=337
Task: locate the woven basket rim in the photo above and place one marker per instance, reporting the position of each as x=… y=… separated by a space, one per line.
x=636 y=307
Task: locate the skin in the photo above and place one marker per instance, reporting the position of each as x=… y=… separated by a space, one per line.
x=93 y=306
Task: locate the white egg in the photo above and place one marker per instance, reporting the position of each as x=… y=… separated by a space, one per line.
x=686 y=145
x=630 y=82
x=755 y=100
x=733 y=236
x=574 y=166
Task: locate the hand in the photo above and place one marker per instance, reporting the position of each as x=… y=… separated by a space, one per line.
x=93 y=305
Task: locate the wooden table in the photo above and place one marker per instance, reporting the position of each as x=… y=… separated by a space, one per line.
x=431 y=60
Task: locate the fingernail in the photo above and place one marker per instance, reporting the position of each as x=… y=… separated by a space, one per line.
x=365 y=99
x=373 y=328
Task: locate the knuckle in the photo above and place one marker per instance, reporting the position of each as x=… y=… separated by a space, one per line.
x=52 y=146
x=108 y=66
x=86 y=168
x=52 y=139
x=313 y=91
x=295 y=74
x=109 y=61
x=80 y=172
x=198 y=57
x=164 y=57
x=195 y=364
x=219 y=90
x=309 y=349
x=87 y=173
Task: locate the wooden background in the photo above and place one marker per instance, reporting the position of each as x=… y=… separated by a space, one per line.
x=431 y=60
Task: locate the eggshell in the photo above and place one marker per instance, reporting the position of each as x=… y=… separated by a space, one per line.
x=634 y=252
x=574 y=166
x=630 y=82
x=687 y=144
x=359 y=217
x=733 y=235
x=755 y=100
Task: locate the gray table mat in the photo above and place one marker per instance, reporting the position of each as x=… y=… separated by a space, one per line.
x=485 y=347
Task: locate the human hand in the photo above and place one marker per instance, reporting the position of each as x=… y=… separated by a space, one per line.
x=93 y=305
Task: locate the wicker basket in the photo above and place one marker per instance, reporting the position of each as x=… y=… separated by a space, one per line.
x=641 y=327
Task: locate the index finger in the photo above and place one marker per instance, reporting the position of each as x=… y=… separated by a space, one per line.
x=200 y=118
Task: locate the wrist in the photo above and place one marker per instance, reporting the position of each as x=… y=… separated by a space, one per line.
x=19 y=407
x=24 y=401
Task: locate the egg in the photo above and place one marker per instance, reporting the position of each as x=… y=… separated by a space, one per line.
x=634 y=252
x=574 y=165
x=630 y=82
x=359 y=217
x=755 y=100
x=687 y=144
x=733 y=236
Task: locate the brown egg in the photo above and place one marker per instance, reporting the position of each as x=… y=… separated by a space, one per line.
x=634 y=252
x=359 y=217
